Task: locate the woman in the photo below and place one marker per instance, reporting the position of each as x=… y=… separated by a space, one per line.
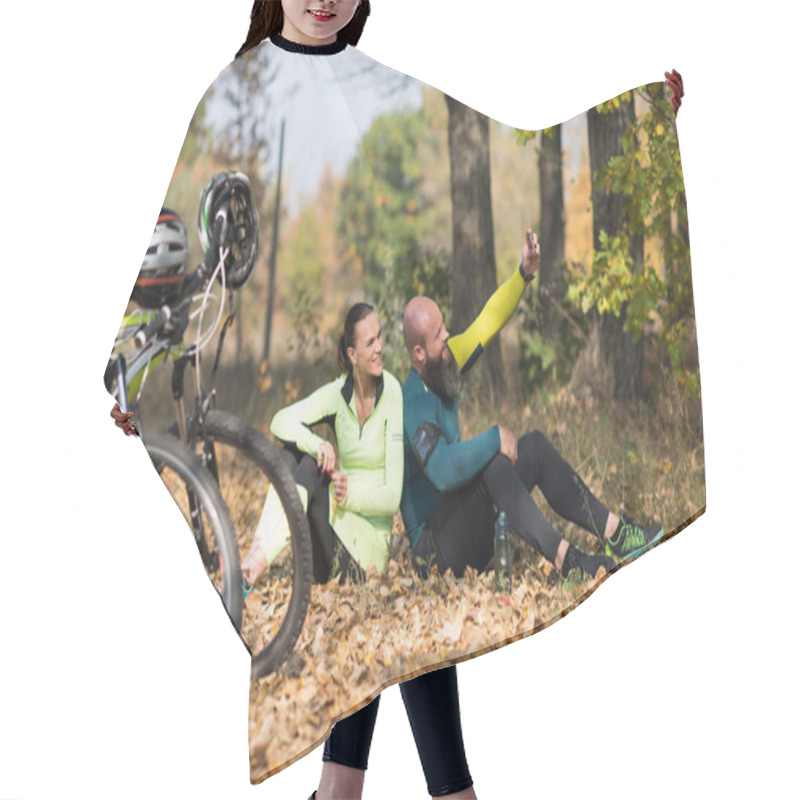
x=349 y=510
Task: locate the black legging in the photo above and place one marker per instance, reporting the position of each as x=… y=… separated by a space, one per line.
x=326 y=547
x=461 y=531
x=431 y=702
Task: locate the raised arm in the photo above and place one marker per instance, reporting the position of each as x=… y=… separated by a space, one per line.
x=466 y=347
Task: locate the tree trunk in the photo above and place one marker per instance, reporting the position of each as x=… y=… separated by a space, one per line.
x=618 y=351
x=552 y=223
x=474 y=269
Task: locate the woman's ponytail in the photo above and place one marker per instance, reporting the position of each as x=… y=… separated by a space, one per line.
x=341 y=355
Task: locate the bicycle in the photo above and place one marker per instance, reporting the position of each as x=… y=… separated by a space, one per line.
x=242 y=461
x=204 y=507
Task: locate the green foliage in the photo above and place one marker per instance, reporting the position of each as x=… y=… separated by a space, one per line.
x=614 y=283
x=552 y=356
x=380 y=202
x=388 y=224
x=649 y=176
x=302 y=259
x=311 y=344
x=541 y=357
x=549 y=357
x=614 y=103
x=537 y=356
x=522 y=137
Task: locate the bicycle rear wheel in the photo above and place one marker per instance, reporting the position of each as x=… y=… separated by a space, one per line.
x=195 y=491
x=247 y=465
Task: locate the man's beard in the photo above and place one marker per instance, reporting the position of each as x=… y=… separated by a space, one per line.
x=441 y=375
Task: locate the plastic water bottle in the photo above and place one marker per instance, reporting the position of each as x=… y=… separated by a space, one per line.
x=502 y=555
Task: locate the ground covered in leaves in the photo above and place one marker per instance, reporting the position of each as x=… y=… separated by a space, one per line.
x=357 y=639
x=647 y=461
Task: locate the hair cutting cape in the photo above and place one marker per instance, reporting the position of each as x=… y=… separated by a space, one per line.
x=370 y=185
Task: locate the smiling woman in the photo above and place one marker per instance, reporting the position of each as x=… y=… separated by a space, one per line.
x=306 y=22
x=316 y=21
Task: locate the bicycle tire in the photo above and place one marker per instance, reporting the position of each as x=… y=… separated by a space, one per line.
x=167 y=452
x=225 y=428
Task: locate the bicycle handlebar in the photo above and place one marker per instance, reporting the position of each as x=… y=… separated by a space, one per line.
x=161 y=318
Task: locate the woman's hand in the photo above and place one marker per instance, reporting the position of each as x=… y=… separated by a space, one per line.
x=326 y=458
x=124 y=420
x=675 y=82
x=339 y=480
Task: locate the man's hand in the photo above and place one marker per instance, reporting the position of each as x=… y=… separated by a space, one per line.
x=530 y=254
x=326 y=457
x=339 y=480
x=675 y=82
x=124 y=420
x=508 y=444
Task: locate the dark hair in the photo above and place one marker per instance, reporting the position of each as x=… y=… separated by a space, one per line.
x=266 y=19
x=348 y=338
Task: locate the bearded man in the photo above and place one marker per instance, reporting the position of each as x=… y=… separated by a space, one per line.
x=453 y=489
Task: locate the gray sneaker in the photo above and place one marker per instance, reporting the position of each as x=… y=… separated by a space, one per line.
x=631 y=540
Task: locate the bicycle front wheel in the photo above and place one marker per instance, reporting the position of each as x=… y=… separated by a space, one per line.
x=248 y=466
x=195 y=491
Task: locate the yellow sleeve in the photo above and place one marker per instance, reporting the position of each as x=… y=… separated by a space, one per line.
x=467 y=346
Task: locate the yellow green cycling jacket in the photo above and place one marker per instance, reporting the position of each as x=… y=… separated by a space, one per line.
x=370 y=455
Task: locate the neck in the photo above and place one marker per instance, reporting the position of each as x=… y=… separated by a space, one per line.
x=295 y=35
x=364 y=384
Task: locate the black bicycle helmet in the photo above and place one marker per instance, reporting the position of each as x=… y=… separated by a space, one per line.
x=229 y=196
x=164 y=264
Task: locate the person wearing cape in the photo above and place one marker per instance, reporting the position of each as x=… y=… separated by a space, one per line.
x=311 y=42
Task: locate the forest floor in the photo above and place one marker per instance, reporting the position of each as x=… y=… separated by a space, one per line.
x=359 y=638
